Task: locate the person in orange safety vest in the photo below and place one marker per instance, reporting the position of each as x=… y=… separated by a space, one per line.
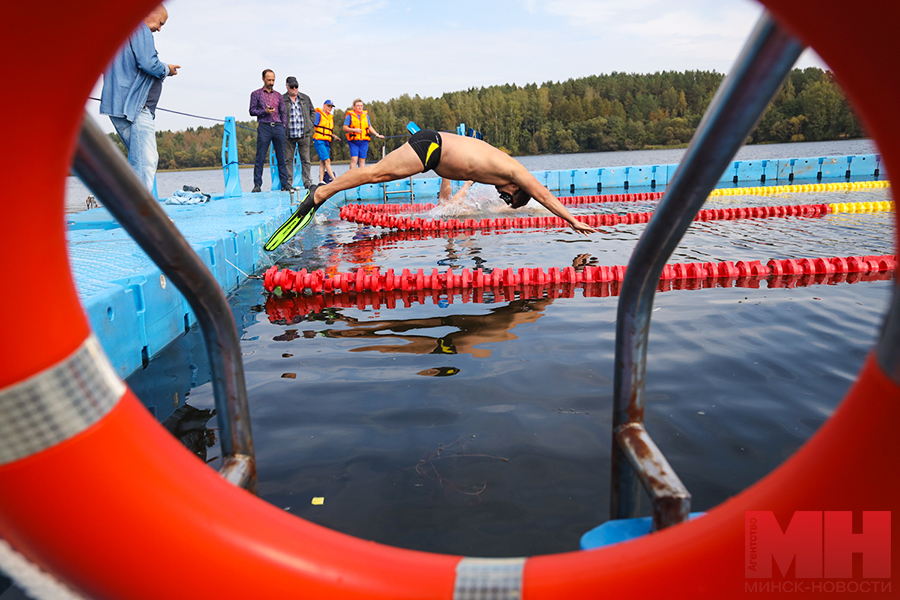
x=359 y=130
x=323 y=134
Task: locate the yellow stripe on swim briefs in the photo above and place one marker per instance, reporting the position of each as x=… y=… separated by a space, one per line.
x=431 y=149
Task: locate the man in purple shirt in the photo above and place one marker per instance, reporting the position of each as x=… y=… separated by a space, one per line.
x=267 y=106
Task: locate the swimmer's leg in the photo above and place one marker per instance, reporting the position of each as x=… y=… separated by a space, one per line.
x=399 y=164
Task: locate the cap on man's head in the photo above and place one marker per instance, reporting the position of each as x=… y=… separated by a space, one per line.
x=292 y=81
x=329 y=103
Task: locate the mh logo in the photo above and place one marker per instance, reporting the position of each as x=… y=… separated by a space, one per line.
x=819 y=543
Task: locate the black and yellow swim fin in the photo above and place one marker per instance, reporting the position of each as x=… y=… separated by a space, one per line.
x=302 y=217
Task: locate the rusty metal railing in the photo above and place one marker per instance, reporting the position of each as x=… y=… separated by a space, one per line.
x=104 y=170
x=764 y=63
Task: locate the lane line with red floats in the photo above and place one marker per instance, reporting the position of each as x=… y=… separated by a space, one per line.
x=291 y=308
x=363 y=215
x=318 y=281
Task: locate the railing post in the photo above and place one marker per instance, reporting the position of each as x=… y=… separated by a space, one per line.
x=105 y=171
x=297 y=176
x=273 y=168
x=230 y=166
x=765 y=61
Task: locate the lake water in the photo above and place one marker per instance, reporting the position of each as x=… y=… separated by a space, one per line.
x=484 y=428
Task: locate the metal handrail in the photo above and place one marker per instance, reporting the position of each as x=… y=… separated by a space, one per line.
x=762 y=67
x=101 y=166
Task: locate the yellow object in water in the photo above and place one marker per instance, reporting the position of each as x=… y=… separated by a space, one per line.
x=318 y=501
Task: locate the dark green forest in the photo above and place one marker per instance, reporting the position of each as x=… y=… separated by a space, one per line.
x=611 y=112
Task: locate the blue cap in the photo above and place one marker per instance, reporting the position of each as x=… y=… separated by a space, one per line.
x=329 y=103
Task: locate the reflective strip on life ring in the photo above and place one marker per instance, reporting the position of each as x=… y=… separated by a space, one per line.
x=488 y=578
x=58 y=403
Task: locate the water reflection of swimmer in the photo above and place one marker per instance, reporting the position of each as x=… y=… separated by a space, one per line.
x=471 y=330
x=458 y=249
x=583 y=260
x=439 y=372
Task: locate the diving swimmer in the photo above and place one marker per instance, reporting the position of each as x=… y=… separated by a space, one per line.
x=449 y=155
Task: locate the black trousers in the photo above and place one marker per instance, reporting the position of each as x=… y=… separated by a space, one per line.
x=268 y=133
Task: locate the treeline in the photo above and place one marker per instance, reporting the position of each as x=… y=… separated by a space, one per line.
x=599 y=113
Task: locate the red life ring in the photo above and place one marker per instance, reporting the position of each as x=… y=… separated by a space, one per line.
x=92 y=506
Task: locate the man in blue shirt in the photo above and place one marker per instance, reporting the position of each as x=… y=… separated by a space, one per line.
x=131 y=88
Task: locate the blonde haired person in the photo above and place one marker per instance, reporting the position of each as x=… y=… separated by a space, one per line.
x=358 y=130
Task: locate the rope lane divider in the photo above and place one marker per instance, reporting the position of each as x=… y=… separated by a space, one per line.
x=770 y=190
x=804 y=188
x=319 y=281
x=292 y=308
x=388 y=237
x=359 y=213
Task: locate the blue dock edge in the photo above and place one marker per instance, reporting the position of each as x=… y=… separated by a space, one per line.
x=136 y=312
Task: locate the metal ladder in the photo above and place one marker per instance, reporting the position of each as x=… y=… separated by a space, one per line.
x=412 y=194
x=105 y=171
x=764 y=63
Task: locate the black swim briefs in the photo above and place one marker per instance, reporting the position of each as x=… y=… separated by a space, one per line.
x=427 y=144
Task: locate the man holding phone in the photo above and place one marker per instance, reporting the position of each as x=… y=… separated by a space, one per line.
x=267 y=106
x=131 y=88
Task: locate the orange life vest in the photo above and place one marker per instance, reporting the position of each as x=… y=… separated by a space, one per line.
x=361 y=122
x=325 y=127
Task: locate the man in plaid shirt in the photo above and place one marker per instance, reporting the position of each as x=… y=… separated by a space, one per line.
x=299 y=129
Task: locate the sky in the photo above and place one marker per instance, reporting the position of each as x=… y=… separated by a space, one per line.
x=381 y=49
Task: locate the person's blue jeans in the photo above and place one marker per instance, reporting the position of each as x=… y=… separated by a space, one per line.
x=140 y=141
x=266 y=134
